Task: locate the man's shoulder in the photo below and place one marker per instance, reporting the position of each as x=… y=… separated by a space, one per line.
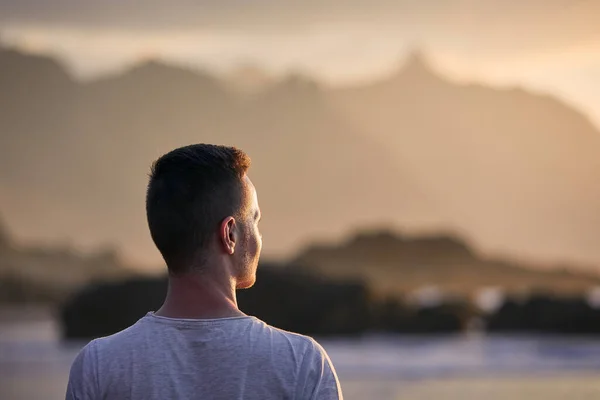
x=118 y=339
x=303 y=342
x=300 y=344
x=282 y=333
x=316 y=375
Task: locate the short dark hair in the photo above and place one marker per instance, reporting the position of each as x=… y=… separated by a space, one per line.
x=190 y=191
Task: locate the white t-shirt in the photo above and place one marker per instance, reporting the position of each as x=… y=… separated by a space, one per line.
x=226 y=358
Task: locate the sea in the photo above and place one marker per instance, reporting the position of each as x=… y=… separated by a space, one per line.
x=34 y=364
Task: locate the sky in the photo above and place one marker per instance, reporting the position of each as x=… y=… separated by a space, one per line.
x=545 y=45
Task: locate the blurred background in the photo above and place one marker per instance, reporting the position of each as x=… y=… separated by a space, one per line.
x=428 y=173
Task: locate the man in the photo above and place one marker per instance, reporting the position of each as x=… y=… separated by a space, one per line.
x=203 y=216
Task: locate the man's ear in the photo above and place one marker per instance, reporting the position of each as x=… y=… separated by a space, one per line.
x=227 y=235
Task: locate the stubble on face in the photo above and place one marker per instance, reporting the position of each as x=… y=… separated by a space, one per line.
x=252 y=241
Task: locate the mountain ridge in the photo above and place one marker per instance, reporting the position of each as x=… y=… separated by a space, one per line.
x=367 y=158
x=506 y=162
x=118 y=125
x=393 y=263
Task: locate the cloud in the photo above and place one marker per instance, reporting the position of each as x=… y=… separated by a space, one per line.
x=489 y=19
x=536 y=41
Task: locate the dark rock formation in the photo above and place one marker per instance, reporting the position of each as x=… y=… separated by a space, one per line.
x=393 y=316
x=105 y=308
x=546 y=314
x=300 y=302
x=286 y=297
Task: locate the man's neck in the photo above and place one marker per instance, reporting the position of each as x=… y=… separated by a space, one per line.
x=195 y=296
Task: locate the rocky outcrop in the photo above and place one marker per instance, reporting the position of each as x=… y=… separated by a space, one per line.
x=105 y=308
x=395 y=263
x=546 y=314
x=301 y=302
x=285 y=297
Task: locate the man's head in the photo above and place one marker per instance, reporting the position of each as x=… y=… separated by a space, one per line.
x=203 y=211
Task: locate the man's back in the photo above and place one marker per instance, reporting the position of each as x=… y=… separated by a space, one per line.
x=226 y=358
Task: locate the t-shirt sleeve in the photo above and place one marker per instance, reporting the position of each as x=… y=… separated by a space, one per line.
x=83 y=382
x=317 y=379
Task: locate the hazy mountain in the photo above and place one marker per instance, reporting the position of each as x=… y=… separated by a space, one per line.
x=37 y=99
x=401 y=264
x=514 y=171
x=51 y=274
x=248 y=79
x=314 y=173
x=518 y=171
x=5 y=240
